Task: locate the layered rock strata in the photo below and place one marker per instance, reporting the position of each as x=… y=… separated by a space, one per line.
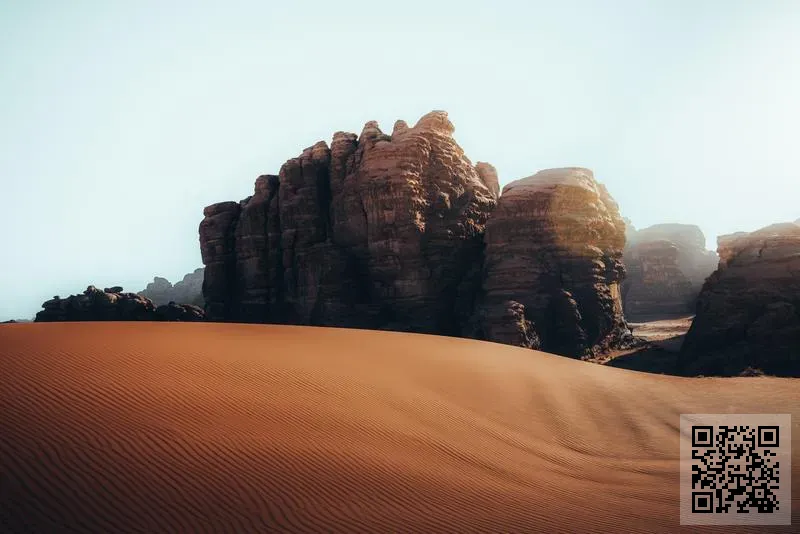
x=387 y=231
x=667 y=265
x=748 y=312
x=377 y=231
x=553 y=265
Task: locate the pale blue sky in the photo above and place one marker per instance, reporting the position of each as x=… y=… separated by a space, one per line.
x=120 y=121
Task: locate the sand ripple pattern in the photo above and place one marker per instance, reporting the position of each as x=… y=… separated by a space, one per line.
x=179 y=427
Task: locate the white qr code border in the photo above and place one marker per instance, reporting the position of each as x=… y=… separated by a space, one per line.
x=698 y=505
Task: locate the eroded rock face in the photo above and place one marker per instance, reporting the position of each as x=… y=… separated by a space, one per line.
x=488 y=175
x=256 y=269
x=667 y=265
x=390 y=232
x=189 y=290
x=218 y=251
x=748 y=312
x=553 y=265
x=376 y=231
x=112 y=304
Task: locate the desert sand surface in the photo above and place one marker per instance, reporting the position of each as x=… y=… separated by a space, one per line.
x=664 y=337
x=204 y=427
x=665 y=332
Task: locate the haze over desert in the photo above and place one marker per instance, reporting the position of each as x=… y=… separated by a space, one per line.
x=200 y=427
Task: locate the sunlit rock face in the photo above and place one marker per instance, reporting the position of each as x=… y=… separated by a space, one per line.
x=666 y=266
x=553 y=265
x=748 y=313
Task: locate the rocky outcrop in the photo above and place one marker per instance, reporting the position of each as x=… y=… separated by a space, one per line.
x=377 y=231
x=218 y=252
x=186 y=291
x=112 y=304
x=179 y=312
x=553 y=265
x=655 y=284
x=488 y=175
x=667 y=265
x=387 y=232
x=748 y=313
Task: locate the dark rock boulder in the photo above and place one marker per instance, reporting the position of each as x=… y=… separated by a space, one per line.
x=96 y=305
x=179 y=312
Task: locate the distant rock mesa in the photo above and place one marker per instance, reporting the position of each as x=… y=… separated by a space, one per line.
x=402 y=232
x=667 y=265
x=748 y=312
x=186 y=291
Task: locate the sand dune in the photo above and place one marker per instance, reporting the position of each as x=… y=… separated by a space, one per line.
x=170 y=427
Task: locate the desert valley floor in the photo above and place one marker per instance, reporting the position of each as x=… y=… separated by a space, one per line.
x=211 y=427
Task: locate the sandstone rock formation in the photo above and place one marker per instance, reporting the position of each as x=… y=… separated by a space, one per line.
x=186 y=291
x=374 y=231
x=748 y=313
x=553 y=265
x=112 y=304
x=387 y=232
x=488 y=175
x=667 y=265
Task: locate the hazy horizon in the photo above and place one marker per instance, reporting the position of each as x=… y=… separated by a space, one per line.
x=118 y=124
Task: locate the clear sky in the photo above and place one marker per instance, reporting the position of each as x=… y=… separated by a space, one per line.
x=120 y=121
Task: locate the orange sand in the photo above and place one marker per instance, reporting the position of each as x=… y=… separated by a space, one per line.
x=180 y=427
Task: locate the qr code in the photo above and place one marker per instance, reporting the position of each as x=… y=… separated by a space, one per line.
x=735 y=469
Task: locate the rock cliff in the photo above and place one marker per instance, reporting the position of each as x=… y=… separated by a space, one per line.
x=112 y=304
x=553 y=265
x=377 y=231
x=387 y=231
x=186 y=291
x=748 y=312
x=667 y=265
